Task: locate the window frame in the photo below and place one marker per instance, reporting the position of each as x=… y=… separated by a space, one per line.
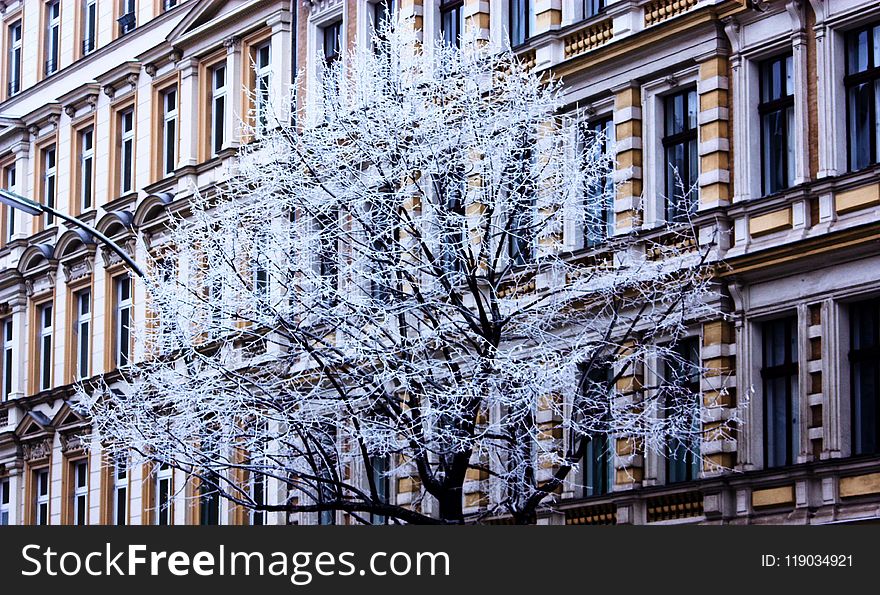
x=169 y=130
x=163 y=501
x=45 y=338
x=529 y=24
x=852 y=80
x=52 y=40
x=49 y=185
x=5 y=501
x=79 y=493
x=119 y=484
x=126 y=151
x=7 y=358
x=86 y=183
x=768 y=107
x=82 y=323
x=672 y=212
x=599 y=450
x=689 y=468
x=790 y=369
x=607 y=214
x=122 y=335
x=864 y=355
x=41 y=501
x=89 y=30
x=218 y=96
x=14 y=57
x=453 y=8
x=262 y=85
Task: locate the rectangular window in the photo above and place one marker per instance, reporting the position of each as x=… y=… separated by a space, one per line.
x=4 y=501
x=6 y=329
x=520 y=185
x=169 y=4
x=681 y=155
x=53 y=36
x=681 y=383
x=44 y=346
x=127 y=16
x=86 y=168
x=120 y=490
x=383 y=14
x=598 y=467
x=209 y=500
x=328 y=266
x=169 y=130
x=80 y=494
x=258 y=497
x=862 y=83
x=453 y=242
x=521 y=21
x=777 y=124
x=90 y=26
x=591 y=8
x=260 y=269
x=262 y=86
x=379 y=464
x=164 y=494
x=779 y=375
x=332 y=42
x=9 y=184
x=13 y=68
x=41 y=496
x=126 y=151
x=218 y=108
x=598 y=136
x=50 y=181
x=81 y=332
x=864 y=360
x=122 y=320
x=451 y=21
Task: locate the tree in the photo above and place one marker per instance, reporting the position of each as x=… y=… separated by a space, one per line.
x=389 y=291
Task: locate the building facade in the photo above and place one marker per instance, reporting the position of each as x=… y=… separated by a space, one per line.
x=114 y=112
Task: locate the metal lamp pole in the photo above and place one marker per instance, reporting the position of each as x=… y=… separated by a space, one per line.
x=31 y=207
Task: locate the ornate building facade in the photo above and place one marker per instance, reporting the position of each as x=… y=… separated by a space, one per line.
x=114 y=112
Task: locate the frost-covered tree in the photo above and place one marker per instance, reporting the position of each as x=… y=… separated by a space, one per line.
x=412 y=286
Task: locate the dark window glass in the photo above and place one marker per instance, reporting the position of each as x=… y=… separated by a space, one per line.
x=681 y=155
x=779 y=375
x=862 y=83
x=864 y=357
x=452 y=21
x=682 y=383
x=777 y=124
x=522 y=22
x=332 y=42
x=592 y=7
x=209 y=500
x=599 y=193
x=598 y=468
x=521 y=221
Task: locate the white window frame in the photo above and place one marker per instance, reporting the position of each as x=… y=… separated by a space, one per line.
x=126 y=151
x=314 y=45
x=122 y=345
x=9 y=174
x=50 y=180
x=654 y=170
x=45 y=311
x=90 y=27
x=40 y=498
x=163 y=473
x=6 y=365
x=262 y=87
x=82 y=329
x=169 y=130
x=13 y=85
x=5 y=500
x=87 y=169
x=80 y=492
x=53 y=37
x=120 y=484
x=218 y=100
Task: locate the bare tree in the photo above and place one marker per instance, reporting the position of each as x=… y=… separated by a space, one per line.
x=417 y=284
